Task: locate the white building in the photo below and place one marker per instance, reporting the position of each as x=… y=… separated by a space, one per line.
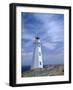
x=37 y=61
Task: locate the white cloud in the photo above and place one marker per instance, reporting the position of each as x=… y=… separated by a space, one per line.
x=51 y=27
x=49 y=45
x=27 y=54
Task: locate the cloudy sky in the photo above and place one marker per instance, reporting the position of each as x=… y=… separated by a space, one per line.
x=50 y=29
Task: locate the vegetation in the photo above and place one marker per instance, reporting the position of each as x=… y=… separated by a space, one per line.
x=49 y=70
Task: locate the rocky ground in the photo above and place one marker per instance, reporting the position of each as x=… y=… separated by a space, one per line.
x=48 y=70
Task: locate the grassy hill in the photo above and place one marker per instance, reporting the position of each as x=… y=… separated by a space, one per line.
x=48 y=70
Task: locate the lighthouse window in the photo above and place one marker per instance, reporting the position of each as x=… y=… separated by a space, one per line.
x=38 y=45
x=39 y=54
x=40 y=63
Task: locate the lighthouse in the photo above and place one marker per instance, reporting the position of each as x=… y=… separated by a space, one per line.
x=37 y=61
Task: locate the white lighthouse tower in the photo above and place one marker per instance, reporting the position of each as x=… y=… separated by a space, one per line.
x=37 y=61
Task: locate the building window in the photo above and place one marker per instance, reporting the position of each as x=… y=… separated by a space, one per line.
x=39 y=54
x=38 y=45
x=40 y=63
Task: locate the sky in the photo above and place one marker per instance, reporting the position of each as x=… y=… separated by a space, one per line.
x=50 y=28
